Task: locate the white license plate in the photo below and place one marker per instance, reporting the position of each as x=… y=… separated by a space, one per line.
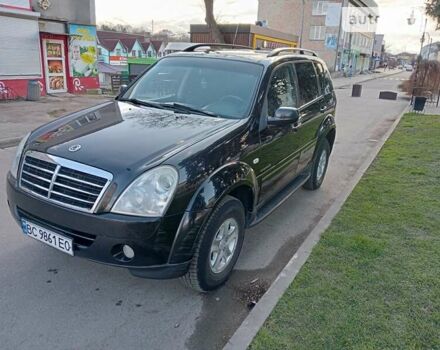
x=48 y=237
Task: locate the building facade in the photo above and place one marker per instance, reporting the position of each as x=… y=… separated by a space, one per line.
x=20 y=54
x=431 y=51
x=255 y=36
x=52 y=42
x=318 y=24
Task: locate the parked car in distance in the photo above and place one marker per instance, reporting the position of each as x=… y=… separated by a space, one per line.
x=409 y=68
x=165 y=179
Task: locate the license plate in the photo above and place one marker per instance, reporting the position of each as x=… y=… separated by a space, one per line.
x=48 y=237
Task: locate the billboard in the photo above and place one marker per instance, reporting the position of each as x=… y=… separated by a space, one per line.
x=83 y=57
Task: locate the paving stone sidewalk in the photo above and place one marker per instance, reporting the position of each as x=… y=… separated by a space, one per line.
x=19 y=117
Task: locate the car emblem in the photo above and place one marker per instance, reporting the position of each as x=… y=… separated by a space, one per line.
x=74 y=148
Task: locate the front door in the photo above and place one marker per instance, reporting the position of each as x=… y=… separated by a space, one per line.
x=55 y=65
x=277 y=158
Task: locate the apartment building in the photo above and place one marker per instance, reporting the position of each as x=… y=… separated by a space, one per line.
x=318 y=24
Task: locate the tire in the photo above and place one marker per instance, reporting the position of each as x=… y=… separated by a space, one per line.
x=201 y=275
x=318 y=173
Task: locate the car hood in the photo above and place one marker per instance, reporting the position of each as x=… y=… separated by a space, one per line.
x=118 y=136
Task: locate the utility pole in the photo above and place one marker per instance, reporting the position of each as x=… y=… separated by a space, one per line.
x=338 y=59
x=152 y=26
x=419 y=59
x=302 y=23
x=429 y=50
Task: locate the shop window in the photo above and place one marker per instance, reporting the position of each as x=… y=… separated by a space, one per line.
x=317 y=32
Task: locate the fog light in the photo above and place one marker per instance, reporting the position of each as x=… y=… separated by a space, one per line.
x=128 y=251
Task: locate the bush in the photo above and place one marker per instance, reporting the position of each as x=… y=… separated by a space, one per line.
x=424 y=81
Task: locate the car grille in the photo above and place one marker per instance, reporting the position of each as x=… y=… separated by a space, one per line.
x=62 y=181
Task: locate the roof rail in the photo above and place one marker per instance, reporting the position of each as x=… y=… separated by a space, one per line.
x=192 y=48
x=276 y=52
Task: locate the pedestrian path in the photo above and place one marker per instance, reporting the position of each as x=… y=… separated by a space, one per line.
x=380 y=74
x=397 y=79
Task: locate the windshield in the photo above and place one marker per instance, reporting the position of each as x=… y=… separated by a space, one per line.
x=221 y=87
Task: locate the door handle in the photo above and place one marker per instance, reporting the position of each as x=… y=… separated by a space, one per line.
x=323 y=109
x=296 y=126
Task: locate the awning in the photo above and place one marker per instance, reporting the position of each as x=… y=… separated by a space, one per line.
x=110 y=69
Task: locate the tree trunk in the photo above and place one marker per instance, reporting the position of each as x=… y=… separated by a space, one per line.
x=212 y=23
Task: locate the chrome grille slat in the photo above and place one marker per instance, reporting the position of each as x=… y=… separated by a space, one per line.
x=37 y=177
x=77 y=190
x=82 y=181
x=36 y=167
x=35 y=185
x=69 y=183
x=74 y=198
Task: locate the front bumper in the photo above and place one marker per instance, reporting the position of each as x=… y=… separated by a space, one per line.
x=100 y=237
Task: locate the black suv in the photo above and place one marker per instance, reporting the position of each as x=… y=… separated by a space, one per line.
x=165 y=179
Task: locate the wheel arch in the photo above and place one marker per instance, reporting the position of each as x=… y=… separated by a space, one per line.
x=236 y=179
x=328 y=130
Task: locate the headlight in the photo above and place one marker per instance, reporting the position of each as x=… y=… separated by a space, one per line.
x=16 y=161
x=150 y=194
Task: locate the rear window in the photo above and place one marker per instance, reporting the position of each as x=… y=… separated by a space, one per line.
x=324 y=79
x=307 y=82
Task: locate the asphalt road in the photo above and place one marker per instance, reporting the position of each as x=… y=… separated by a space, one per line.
x=49 y=300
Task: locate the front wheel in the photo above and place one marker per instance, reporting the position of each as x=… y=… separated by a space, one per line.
x=218 y=247
x=319 y=166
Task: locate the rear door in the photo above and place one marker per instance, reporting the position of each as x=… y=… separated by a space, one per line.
x=328 y=95
x=311 y=115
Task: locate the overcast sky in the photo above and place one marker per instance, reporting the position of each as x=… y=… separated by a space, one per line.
x=177 y=15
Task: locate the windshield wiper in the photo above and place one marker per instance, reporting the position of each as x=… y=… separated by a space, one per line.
x=180 y=107
x=142 y=102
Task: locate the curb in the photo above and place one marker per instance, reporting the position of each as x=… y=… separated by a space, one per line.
x=366 y=80
x=8 y=143
x=247 y=331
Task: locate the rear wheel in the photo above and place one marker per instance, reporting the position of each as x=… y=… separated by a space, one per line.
x=319 y=166
x=218 y=247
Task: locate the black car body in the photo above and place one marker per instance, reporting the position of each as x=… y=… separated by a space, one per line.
x=259 y=159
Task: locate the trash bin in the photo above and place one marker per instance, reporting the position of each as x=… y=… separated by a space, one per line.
x=419 y=103
x=357 y=90
x=33 y=91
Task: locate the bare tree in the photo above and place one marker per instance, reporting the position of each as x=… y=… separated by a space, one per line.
x=216 y=34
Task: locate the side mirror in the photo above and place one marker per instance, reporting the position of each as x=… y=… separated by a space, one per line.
x=122 y=89
x=285 y=116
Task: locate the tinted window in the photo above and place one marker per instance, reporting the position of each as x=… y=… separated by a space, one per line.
x=223 y=87
x=324 y=79
x=282 y=90
x=307 y=82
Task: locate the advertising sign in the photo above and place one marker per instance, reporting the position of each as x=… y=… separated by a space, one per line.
x=82 y=51
x=331 y=41
x=83 y=58
x=118 y=60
